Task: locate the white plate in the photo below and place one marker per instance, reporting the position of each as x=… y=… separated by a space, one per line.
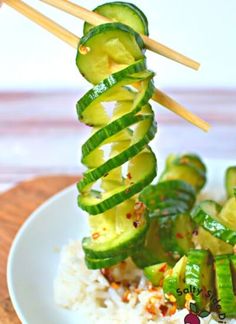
x=33 y=259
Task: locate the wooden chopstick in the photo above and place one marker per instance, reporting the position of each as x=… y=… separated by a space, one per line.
x=44 y=22
x=178 y=109
x=73 y=40
x=96 y=19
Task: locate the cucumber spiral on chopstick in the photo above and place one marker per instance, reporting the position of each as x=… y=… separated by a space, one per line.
x=119 y=161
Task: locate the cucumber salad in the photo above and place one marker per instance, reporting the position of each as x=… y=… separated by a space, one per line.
x=184 y=246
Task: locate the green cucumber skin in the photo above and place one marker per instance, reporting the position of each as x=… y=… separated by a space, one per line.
x=122 y=195
x=172 y=237
x=190 y=159
x=115 y=4
x=124 y=156
x=233 y=270
x=175 y=280
x=213 y=226
x=112 y=248
x=170 y=286
x=168 y=211
x=94 y=174
x=168 y=198
x=112 y=27
x=197 y=269
x=113 y=128
x=138 y=155
x=102 y=30
x=93 y=263
x=152 y=251
x=105 y=85
x=224 y=286
x=152 y=196
x=230 y=181
x=191 y=163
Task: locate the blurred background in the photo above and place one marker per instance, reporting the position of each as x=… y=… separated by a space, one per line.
x=40 y=84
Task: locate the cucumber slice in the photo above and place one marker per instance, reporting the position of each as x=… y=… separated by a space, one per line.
x=95 y=263
x=143 y=169
x=188 y=168
x=207 y=215
x=156 y=273
x=208 y=242
x=199 y=277
x=146 y=128
x=174 y=280
x=176 y=234
x=89 y=107
x=115 y=232
x=121 y=152
x=123 y=12
x=233 y=270
x=230 y=180
x=169 y=194
x=152 y=251
x=224 y=286
x=106 y=49
x=188 y=158
x=228 y=214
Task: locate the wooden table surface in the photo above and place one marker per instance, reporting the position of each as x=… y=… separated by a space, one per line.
x=40 y=136
x=16 y=205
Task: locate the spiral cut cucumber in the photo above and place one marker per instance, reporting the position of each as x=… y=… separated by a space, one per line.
x=119 y=161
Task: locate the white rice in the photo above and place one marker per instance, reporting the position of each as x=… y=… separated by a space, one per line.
x=76 y=287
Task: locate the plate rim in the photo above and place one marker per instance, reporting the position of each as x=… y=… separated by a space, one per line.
x=44 y=205
x=14 y=245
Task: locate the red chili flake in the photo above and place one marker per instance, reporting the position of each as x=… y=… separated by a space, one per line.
x=123 y=265
x=129 y=176
x=138 y=216
x=150 y=308
x=153 y=289
x=184 y=160
x=84 y=49
x=164 y=310
x=179 y=235
x=161 y=282
x=163 y=268
x=95 y=235
x=127 y=190
x=137 y=291
x=195 y=231
x=138 y=205
x=136 y=224
x=128 y=215
x=126 y=296
x=150 y=286
x=173 y=309
x=107 y=274
x=115 y=285
x=126 y=283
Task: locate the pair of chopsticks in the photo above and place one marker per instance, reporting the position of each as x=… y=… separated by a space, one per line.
x=96 y=19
